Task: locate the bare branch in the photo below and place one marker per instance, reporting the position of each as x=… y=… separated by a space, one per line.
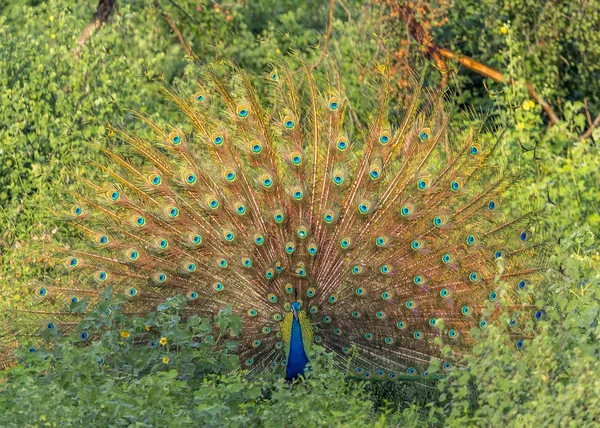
x=103 y=11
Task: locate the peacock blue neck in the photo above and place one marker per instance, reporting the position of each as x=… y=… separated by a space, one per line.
x=297 y=358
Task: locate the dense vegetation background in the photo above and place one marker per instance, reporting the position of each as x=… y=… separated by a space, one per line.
x=533 y=65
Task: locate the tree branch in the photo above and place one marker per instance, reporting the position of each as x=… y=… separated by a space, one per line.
x=103 y=11
x=173 y=26
x=327 y=36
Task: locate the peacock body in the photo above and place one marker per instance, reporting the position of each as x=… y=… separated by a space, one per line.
x=370 y=239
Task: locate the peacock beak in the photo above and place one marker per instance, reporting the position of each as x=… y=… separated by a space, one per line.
x=295 y=312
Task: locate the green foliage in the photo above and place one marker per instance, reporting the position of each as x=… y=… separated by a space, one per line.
x=54 y=104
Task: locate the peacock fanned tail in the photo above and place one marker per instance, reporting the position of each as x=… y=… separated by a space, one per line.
x=388 y=232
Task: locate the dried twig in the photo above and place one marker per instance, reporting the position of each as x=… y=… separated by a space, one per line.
x=103 y=11
x=327 y=36
x=588 y=133
x=175 y=29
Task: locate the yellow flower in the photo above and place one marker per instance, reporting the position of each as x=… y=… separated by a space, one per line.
x=125 y=334
x=53 y=36
x=165 y=360
x=526 y=106
x=51 y=18
x=147 y=328
x=531 y=105
x=504 y=29
x=520 y=126
x=277 y=51
x=163 y=341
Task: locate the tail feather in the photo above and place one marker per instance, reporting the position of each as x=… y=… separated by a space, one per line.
x=391 y=234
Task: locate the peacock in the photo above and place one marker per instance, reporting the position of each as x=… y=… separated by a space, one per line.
x=377 y=238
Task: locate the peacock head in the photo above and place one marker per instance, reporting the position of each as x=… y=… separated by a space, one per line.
x=295 y=309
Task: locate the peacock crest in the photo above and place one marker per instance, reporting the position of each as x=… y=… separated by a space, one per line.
x=376 y=237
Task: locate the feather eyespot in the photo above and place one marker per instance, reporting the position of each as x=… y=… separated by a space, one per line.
x=472 y=239
x=217 y=139
x=364 y=207
x=103 y=239
x=162 y=244
x=155 y=179
x=297 y=193
x=380 y=315
x=345 y=243
x=192 y=295
x=199 y=96
x=296 y=158
x=406 y=210
x=288 y=122
x=312 y=249
x=242 y=111
x=360 y=291
x=493 y=296
x=439 y=221
x=41 y=291
x=113 y=195
x=386 y=295
x=384 y=137
x=229 y=175
x=418 y=280
x=444 y=293
x=332 y=298
x=314 y=309
x=418 y=335
x=456 y=185
x=411 y=371
x=425 y=134
x=452 y=334
x=240 y=208
x=410 y=304
x=524 y=235
x=522 y=284
x=213 y=203
x=333 y=103
x=278 y=216
x=401 y=325
x=342 y=144
x=466 y=310
x=492 y=205
x=272 y=298
x=222 y=263
x=76 y=210
x=172 y=212
x=100 y=276
x=356 y=269
x=229 y=235
x=447 y=258
x=416 y=244
x=302 y=232
x=474 y=277
x=132 y=292
x=255 y=147
x=175 y=138
x=71 y=262
x=381 y=241
x=259 y=239
x=290 y=247
x=423 y=184
x=218 y=286
x=432 y=322
x=190 y=178
x=475 y=149
x=160 y=277
x=338 y=178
